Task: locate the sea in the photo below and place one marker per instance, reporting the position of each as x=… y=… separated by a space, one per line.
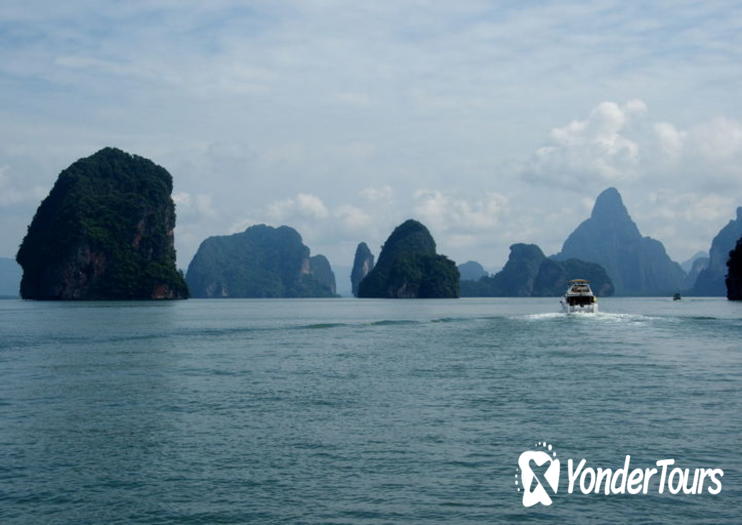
x=363 y=411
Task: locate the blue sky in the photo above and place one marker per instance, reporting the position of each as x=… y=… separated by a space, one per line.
x=492 y=122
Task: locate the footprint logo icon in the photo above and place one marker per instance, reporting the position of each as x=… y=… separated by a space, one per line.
x=537 y=475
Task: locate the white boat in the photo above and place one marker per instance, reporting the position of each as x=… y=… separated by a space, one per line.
x=579 y=298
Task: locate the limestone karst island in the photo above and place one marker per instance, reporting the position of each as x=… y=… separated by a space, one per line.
x=106 y=232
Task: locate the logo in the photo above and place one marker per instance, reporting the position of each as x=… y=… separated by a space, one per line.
x=537 y=477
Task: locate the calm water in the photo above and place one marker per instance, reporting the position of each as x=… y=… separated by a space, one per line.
x=347 y=411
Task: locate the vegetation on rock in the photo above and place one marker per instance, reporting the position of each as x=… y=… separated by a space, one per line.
x=734 y=276
x=409 y=267
x=529 y=273
x=262 y=261
x=104 y=232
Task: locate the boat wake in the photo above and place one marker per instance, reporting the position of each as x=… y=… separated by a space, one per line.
x=592 y=317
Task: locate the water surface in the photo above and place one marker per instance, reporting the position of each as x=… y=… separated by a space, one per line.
x=358 y=411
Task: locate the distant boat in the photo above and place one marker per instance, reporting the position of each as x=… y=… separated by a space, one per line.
x=676 y=297
x=579 y=298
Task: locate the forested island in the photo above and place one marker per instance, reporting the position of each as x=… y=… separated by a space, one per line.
x=106 y=232
x=262 y=261
x=409 y=267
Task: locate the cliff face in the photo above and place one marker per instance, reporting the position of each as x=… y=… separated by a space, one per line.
x=688 y=264
x=363 y=263
x=518 y=276
x=320 y=269
x=471 y=271
x=710 y=281
x=694 y=271
x=10 y=277
x=528 y=273
x=262 y=261
x=104 y=232
x=733 y=280
x=409 y=267
x=637 y=265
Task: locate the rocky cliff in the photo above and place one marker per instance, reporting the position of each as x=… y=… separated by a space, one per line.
x=409 y=267
x=320 y=269
x=363 y=263
x=104 y=232
x=637 y=265
x=262 y=261
x=733 y=280
x=529 y=273
x=710 y=281
x=694 y=271
x=471 y=271
x=688 y=264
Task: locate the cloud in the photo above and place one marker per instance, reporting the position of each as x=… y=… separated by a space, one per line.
x=302 y=206
x=619 y=144
x=381 y=193
x=14 y=192
x=194 y=206
x=447 y=213
x=711 y=148
x=670 y=139
x=352 y=218
x=592 y=152
x=358 y=107
x=718 y=139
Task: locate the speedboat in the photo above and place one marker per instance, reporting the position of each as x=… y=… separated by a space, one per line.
x=579 y=298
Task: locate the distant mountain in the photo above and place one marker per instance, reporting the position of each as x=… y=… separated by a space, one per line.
x=10 y=277
x=105 y=231
x=319 y=268
x=687 y=265
x=363 y=263
x=471 y=271
x=637 y=265
x=262 y=261
x=699 y=265
x=409 y=267
x=529 y=273
x=734 y=276
x=710 y=281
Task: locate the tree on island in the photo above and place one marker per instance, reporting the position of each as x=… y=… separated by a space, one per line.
x=409 y=267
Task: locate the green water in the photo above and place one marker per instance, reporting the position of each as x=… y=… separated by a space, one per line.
x=353 y=411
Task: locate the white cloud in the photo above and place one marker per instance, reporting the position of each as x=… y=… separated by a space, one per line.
x=382 y=193
x=354 y=219
x=592 y=152
x=718 y=139
x=303 y=205
x=198 y=205
x=182 y=199
x=340 y=102
x=447 y=213
x=670 y=139
x=707 y=156
x=14 y=192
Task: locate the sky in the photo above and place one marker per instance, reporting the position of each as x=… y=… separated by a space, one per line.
x=491 y=122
